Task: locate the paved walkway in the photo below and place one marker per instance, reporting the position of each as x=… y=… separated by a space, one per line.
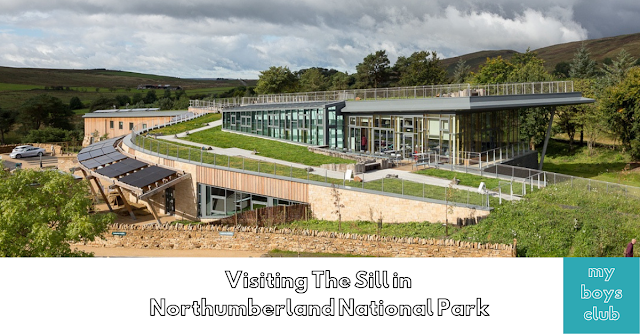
x=368 y=176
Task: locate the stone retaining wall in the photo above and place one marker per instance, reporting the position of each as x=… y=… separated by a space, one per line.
x=266 y=239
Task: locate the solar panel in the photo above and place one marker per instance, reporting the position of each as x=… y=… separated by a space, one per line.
x=121 y=168
x=83 y=156
x=147 y=176
x=91 y=163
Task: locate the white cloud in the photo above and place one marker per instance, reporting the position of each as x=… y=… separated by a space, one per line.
x=240 y=38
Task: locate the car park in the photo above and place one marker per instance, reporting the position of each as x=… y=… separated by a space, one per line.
x=24 y=151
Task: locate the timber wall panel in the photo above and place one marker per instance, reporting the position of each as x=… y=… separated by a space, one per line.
x=261 y=185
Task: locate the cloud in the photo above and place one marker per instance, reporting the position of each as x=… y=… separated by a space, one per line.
x=198 y=38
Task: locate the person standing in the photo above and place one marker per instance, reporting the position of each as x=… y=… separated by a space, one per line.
x=363 y=143
x=629 y=251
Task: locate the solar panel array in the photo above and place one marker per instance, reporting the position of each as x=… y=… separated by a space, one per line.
x=104 y=153
x=147 y=176
x=123 y=167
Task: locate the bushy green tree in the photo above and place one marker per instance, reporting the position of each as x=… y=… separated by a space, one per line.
x=341 y=81
x=104 y=103
x=462 y=72
x=495 y=70
x=373 y=71
x=562 y=69
x=615 y=72
x=123 y=100
x=45 y=110
x=7 y=120
x=75 y=103
x=276 y=80
x=151 y=96
x=312 y=80
x=621 y=106
x=42 y=212
x=582 y=66
x=420 y=69
x=52 y=135
x=137 y=97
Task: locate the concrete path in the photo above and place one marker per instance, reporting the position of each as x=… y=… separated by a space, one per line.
x=368 y=176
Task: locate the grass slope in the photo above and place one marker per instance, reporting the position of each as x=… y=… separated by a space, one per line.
x=188 y=126
x=268 y=148
x=605 y=164
x=553 y=222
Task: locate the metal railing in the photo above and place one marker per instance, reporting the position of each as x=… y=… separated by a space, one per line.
x=202 y=156
x=471 y=161
x=417 y=92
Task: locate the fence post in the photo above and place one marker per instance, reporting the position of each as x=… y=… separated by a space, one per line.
x=274 y=168
x=259 y=169
x=383 y=184
x=402 y=186
x=228 y=161
x=177 y=152
x=201 y=153
x=422 y=190
x=291 y=172
x=189 y=153
x=242 y=163
x=325 y=176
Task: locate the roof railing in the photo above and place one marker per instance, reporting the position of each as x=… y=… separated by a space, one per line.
x=417 y=92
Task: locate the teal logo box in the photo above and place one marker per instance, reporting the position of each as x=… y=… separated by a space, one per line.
x=601 y=295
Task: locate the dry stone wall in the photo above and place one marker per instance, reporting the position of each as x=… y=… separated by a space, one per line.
x=266 y=239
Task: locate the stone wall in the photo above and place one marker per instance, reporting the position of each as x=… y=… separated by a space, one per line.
x=266 y=239
x=373 y=207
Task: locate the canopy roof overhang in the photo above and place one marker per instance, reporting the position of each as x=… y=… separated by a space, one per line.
x=465 y=104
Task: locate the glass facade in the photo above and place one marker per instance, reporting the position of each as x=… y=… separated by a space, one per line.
x=443 y=134
x=449 y=135
x=214 y=201
x=319 y=125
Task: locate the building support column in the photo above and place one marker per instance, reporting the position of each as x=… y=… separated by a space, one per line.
x=546 y=139
x=93 y=191
x=126 y=204
x=106 y=200
x=153 y=211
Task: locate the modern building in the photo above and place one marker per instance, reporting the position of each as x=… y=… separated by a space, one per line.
x=119 y=122
x=454 y=127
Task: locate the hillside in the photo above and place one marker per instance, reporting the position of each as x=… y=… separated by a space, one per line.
x=19 y=84
x=600 y=49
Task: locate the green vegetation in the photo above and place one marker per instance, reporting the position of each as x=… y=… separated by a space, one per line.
x=605 y=164
x=556 y=221
x=188 y=126
x=282 y=253
x=43 y=212
x=395 y=186
x=267 y=148
x=470 y=180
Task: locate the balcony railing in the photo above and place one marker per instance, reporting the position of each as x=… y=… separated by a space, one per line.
x=417 y=92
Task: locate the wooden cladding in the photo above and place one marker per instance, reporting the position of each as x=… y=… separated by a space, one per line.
x=260 y=185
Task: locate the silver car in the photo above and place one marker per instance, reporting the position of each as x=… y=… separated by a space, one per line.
x=26 y=151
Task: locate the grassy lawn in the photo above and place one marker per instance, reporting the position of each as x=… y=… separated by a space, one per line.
x=470 y=180
x=267 y=148
x=605 y=164
x=188 y=126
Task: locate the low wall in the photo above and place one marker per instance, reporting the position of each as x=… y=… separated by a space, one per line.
x=266 y=239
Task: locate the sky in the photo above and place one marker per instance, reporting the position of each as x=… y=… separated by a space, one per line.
x=240 y=38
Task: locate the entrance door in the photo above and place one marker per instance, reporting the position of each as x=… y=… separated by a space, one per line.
x=170 y=201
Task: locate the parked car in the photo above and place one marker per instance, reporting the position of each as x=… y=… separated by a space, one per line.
x=26 y=151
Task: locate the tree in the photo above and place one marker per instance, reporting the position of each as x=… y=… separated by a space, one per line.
x=165 y=104
x=562 y=69
x=373 y=71
x=52 y=135
x=614 y=73
x=312 y=80
x=462 y=72
x=44 y=211
x=104 y=103
x=582 y=66
x=123 y=100
x=421 y=68
x=276 y=80
x=7 y=120
x=150 y=97
x=621 y=106
x=137 y=97
x=340 y=81
x=75 y=103
x=45 y=110
x=495 y=70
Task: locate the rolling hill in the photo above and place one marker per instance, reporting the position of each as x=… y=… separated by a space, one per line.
x=600 y=49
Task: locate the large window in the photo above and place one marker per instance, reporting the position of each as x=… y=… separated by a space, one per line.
x=217 y=202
